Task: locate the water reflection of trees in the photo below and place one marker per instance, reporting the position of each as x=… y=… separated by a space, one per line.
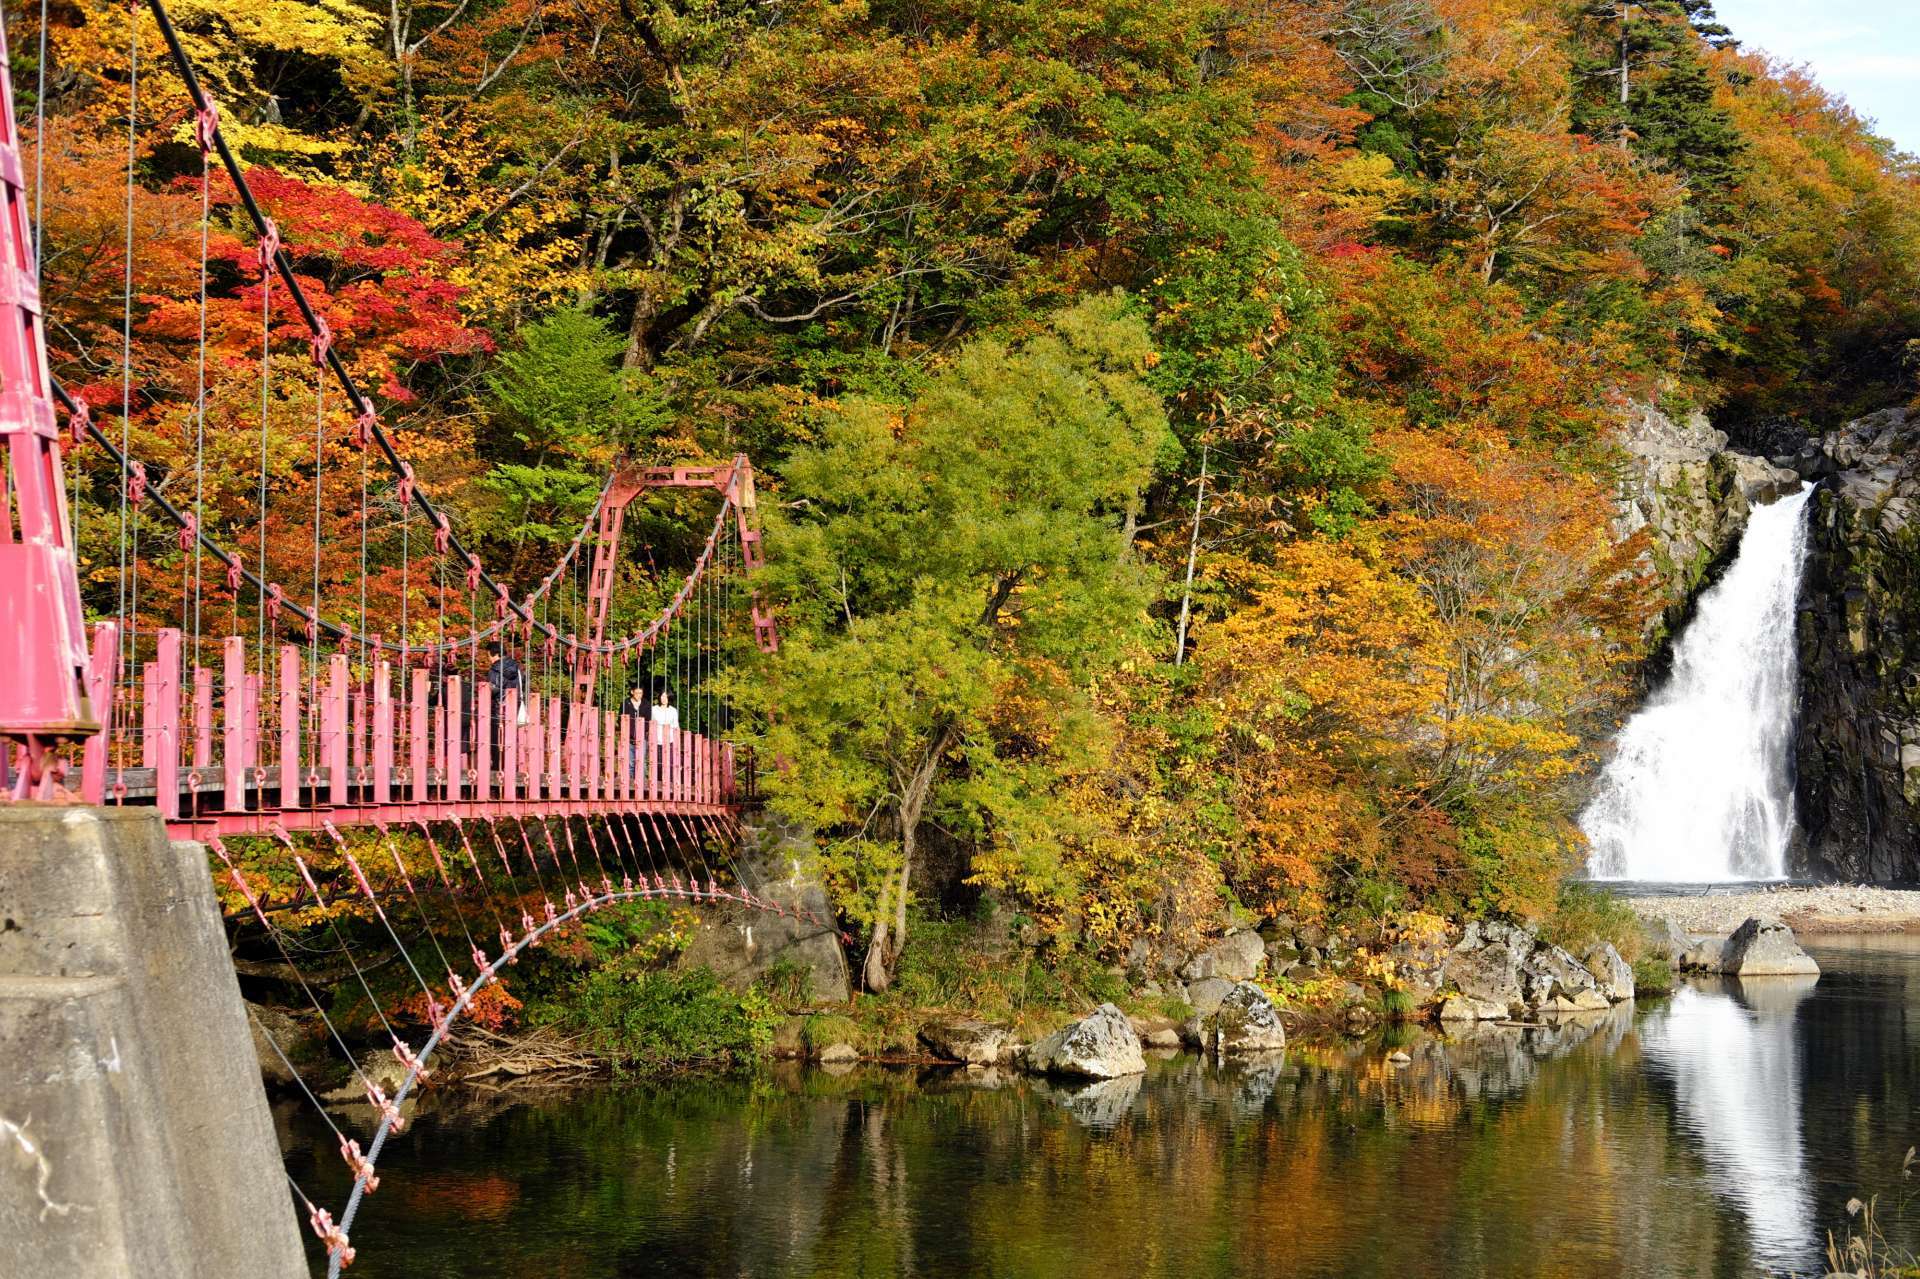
x=1502 y=1151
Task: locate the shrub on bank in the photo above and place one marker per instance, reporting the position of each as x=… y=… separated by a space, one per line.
x=657 y=1020
x=1583 y=915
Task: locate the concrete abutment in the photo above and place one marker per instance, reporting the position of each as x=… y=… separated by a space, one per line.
x=135 y=1138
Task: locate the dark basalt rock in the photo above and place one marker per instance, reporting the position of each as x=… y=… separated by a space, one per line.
x=1858 y=747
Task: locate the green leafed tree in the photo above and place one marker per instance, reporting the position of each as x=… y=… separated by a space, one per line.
x=939 y=562
x=565 y=410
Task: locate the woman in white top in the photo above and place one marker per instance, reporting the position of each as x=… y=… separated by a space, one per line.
x=665 y=713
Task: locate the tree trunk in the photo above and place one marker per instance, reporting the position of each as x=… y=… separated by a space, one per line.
x=890 y=934
x=1193 y=556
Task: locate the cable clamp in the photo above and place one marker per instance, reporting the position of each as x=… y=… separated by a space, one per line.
x=206 y=124
x=331 y=1235
x=269 y=245
x=359 y=1164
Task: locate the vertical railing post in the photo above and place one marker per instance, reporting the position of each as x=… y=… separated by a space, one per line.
x=452 y=756
x=335 y=740
x=625 y=756
x=483 y=740
x=677 y=753
x=576 y=761
x=533 y=735
x=233 y=748
x=597 y=731
x=554 y=760
x=357 y=734
x=417 y=736
x=382 y=788
x=649 y=763
x=202 y=717
x=149 y=712
x=166 y=775
x=510 y=731
x=291 y=782
x=254 y=727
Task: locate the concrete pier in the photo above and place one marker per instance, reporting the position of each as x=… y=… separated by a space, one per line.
x=134 y=1133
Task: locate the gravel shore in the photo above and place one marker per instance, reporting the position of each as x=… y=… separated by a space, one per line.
x=1827 y=908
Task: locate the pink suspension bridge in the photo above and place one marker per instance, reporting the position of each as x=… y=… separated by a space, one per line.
x=461 y=757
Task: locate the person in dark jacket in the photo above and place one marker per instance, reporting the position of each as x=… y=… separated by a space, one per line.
x=504 y=676
x=638 y=708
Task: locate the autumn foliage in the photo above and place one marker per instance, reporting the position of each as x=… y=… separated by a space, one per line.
x=1388 y=270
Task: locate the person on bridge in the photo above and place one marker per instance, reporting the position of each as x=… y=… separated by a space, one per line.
x=506 y=674
x=666 y=721
x=638 y=708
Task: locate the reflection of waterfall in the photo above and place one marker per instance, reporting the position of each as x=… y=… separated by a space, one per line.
x=1700 y=786
x=1737 y=1080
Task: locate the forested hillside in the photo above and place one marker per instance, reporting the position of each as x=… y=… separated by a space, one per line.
x=1185 y=426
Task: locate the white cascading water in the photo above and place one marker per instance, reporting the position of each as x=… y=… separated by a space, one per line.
x=1700 y=786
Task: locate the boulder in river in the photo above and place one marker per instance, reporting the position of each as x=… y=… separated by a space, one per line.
x=1612 y=974
x=1485 y=965
x=1498 y=968
x=1100 y=1045
x=1247 y=1022
x=967 y=1039
x=277 y=1037
x=1552 y=979
x=1765 y=948
x=1205 y=995
x=1463 y=1008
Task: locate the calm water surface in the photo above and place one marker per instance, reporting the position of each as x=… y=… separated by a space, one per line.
x=1716 y=1133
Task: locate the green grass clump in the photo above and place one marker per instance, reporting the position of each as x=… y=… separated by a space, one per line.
x=1652 y=975
x=661 y=1019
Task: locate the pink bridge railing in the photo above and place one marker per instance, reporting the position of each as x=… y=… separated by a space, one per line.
x=225 y=751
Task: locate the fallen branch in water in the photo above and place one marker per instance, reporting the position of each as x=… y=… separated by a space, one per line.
x=482 y=1053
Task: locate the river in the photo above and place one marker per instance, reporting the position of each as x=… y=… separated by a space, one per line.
x=1719 y=1132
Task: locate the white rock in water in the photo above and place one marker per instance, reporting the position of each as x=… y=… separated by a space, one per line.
x=1100 y=1045
x=1466 y=1008
x=1248 y=1022
x=1612 y=973
x=1765 y=948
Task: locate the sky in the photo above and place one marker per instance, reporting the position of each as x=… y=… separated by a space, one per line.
x=1868 y=51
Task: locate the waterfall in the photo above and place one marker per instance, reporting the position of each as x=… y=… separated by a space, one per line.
x=1700 y=786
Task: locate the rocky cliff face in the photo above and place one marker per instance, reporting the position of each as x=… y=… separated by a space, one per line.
x=1859 y=631
x=1692 y=495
